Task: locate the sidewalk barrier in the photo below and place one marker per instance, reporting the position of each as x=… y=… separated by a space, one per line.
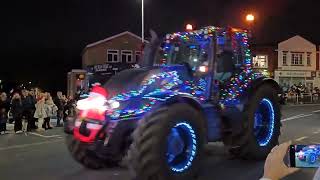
x=304 y=98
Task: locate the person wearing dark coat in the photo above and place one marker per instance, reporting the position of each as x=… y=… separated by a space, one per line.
x=4 y=108
x=60 y=103
x=28 y=103
x=17 y=110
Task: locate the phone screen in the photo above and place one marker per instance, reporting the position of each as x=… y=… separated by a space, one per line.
x=305 y=156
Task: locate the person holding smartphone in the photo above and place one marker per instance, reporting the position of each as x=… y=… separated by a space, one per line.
x=275 y=168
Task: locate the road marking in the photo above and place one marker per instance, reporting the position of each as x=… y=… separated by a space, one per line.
x=316 y=111
x=27 y=145
x=316 y=132
x=301 y=138
x=44 y=136
x=296 y=117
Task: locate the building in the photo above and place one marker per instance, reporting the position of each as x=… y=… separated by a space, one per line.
x=76 y=81
x=265 y=59
x=104 y=58
x=298 y=63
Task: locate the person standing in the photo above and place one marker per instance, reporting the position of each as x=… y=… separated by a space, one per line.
x=17 y=110
x=4 y=108
x=51 y=110
x=59 y=102
x=28 y=106
x=40 y=112
x=71 y=105
x=32 y=97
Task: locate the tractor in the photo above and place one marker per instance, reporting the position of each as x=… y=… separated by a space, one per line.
x=192 y=88
x=309 y=154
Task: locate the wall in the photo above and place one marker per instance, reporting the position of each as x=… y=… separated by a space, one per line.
x=297 y=44
x=98 y=53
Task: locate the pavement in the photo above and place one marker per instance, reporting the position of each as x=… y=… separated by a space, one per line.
x=44 y=156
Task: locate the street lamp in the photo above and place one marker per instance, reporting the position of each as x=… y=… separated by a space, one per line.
x=142 y=21
x=189 y=27
x=250 y=18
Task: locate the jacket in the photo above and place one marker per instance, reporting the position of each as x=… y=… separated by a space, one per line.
x=16 y=107
x=28 y=103
x=51 y=108
x=4 y=108
x=40 y=110
x=59 y=103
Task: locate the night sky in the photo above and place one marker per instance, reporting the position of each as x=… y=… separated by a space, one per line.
x=42 y=40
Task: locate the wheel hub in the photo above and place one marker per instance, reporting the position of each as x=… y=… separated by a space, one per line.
x=181 y=147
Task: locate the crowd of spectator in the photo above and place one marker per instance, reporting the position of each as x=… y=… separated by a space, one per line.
x=33 y=109
x=300 y=89
x=299 y=92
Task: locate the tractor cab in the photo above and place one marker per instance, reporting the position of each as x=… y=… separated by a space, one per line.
x=218 y=52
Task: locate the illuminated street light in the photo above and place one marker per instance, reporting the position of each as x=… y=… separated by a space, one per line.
x=189 y=27
x=142 y=21
x=250 y=17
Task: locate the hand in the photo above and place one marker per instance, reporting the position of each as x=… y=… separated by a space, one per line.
x=274 y=167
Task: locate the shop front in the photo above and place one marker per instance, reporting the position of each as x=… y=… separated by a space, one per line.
x=290 y=78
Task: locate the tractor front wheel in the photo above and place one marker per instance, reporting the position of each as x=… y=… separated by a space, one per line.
x=88 y=158
x=168 y=144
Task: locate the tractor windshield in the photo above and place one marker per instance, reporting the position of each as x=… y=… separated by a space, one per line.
x=191 y=54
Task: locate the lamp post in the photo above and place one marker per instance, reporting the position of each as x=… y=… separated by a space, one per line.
x=142 y=21
x=250 y=19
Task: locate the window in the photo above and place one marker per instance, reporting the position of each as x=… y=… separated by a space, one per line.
x=296 y=59
x=260 y=61
x=112 y=56
x=284 y=59
x=138 y=56
x=126 y=56
x=309 y=59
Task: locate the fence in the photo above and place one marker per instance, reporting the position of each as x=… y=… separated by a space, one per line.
x=304 y=98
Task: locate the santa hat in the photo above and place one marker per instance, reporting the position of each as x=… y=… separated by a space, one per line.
x=99 y=90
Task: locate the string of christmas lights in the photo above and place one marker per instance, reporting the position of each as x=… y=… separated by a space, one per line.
x=168 y=83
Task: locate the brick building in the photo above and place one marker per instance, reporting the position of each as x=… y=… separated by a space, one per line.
x=104 y=58
x=265 y=59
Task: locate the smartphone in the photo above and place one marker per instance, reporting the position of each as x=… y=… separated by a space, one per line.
x=304 y=156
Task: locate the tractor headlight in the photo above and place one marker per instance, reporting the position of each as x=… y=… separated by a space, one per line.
x=114 y=104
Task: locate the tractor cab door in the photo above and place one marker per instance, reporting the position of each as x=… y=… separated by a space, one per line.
x=225 y=59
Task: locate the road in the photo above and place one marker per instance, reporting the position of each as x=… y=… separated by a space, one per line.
x=45 y=157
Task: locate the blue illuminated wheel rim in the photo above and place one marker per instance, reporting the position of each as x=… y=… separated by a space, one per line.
x=312 y=158
x=181 y=147
x=264 y=122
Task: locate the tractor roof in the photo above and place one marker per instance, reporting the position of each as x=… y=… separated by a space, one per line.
x=205 y=32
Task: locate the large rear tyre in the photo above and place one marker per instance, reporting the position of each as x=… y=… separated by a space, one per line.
x=86 y=157
x=262 y=126
x=168 y=144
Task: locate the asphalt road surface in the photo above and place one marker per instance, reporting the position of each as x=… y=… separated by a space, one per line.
x=44 y=156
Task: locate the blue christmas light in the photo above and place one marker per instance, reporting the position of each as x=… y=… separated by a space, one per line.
x=170 y=84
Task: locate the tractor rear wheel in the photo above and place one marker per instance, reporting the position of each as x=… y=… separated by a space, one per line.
x=168 y=144
x=261 y=127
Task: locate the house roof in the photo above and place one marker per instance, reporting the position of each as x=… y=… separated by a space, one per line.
x=299 y=37
x=113 y=37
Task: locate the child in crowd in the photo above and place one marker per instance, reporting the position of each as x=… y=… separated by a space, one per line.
x=41 y=112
